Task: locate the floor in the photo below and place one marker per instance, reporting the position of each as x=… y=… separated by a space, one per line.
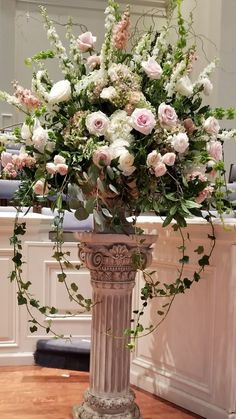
x=33 y=392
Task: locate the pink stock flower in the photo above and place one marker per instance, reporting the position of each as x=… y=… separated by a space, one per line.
x=121 y=31
x=9 y=171
x=160 y=169
x=143 y=120
x=23 y=160
x=86 y=41
x=93 y=61
x=169 y=159
x=102 y=156
x=6 y=158
x=167 y=116
x=197 y=175
x=206 y=193
x=215 y=150
x=26 y=97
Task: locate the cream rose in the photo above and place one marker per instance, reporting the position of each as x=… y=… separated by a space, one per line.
x=51 y=168
x=97 y=123
x=60 y=92
x=169 y=159
x=102 y=156
x=153 y=158
x=126 y=161
x=93 y=61
x=211 y=125
x=167 y=116
x=86 y=41
x=160 y=169
x=152 y=69
x=143 y=120
x=40 y=187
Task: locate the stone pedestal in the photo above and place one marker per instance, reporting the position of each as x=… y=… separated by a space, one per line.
x=109 y=260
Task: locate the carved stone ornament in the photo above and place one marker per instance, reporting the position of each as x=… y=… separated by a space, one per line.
x=109 y=258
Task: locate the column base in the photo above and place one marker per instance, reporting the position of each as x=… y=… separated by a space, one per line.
x=97 y=407
x=85 y=412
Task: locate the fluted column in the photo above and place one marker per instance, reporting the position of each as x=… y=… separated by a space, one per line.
x=109 y=259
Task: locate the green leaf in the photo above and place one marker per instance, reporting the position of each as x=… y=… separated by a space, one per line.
x=106 y=212
x=184 y=259
x=61 y=277
x=53 y=310
x=196 y=276
x=33 y=329
x=113 y=189
x=204 y=261
x=81 y=213
x=187 y=282
x=21 y=299
x=74 y=287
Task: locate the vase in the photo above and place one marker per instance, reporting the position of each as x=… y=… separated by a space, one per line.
x=109 y=258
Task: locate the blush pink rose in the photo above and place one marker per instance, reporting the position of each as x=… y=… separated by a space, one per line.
x=6 y=158
x=211 y=125
x=206 y=193
x=167 y=116
x=51 y=168
x=59 y=159
x=40 y=187
x=152 y=69
x=86 y=41
x=160 y=169
x=143 y=120
x=215 y=150
x=93 y=61
x=169 y=159
x=102 y=156
x=62 y=169
x=97 y=123
x=180 y=142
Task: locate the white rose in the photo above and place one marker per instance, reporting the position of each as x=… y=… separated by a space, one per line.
x=97 y=123
x=60 y=92
x=207 y=86
x=126 y=161
x=184 y=86
x=152 y=69
x=108 y=93
x=211 y=126
x=180 y=142
x=40 y=138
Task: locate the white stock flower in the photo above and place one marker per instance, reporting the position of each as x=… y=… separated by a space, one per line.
x=60 y=92
x=184 y=86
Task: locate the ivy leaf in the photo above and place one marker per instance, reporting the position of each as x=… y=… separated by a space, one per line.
x=196 y=276
x=199 y=250
x=187 y=282
x=21 y=299
x=204 y=261
x=74 y=287
x=61 y=277
x=33 y=329
x=184 y=259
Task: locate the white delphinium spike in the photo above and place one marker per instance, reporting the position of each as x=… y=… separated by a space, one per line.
x=75 y=52
x=64 y=62
x=205 y=73
x=37 y=85
x=142 y=50
x=175 y=76
x=160 y=44
x=110 y=21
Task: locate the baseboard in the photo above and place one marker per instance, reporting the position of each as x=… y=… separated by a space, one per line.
x=16 y=358
x=180 y=398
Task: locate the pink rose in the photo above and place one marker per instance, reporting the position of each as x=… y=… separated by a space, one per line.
x=143 y=120
x=167 y=116
x=153 y=158
x=160 y=169
x=93 y=61
x=40 y=187
x=59 y=159
x=169 y=159
x=214 y=148
x=97 y=123
x=86 y=41
x=62 y=169
x=102 y=156
x=180 y=142
x=152 y=69
x=6 y=158
x=211 y=126
x=206 y=193
x=51 y=168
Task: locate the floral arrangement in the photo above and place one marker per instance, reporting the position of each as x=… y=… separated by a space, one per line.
x=121 y=134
